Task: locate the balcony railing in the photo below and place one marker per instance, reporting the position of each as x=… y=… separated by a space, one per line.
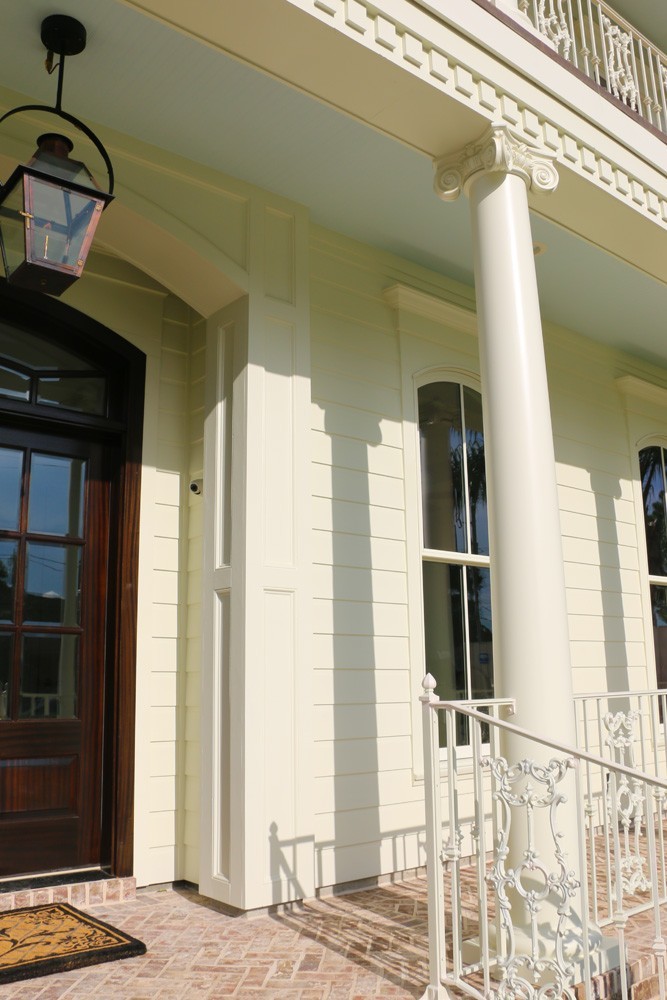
x=604 y=46
x=537 y=858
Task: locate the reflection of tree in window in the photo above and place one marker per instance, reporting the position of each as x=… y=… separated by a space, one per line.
x=652 y=469
x=455 y=544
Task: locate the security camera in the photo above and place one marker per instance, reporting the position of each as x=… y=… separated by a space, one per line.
x=196 y=486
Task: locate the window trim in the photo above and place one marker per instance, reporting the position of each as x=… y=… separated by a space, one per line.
x=413 y=380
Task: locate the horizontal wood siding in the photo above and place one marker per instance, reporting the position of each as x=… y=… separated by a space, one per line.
x=364 y=790
x=368 y=802
x=601 y=537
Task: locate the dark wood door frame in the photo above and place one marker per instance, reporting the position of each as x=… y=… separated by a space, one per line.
x=126 y=366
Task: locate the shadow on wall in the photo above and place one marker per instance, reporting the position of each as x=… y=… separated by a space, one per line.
x=606 y=490
x=350 y=781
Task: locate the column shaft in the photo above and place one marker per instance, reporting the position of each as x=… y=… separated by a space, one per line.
x=529 y=610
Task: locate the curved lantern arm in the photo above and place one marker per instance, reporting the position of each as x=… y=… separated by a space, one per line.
x=73 y=121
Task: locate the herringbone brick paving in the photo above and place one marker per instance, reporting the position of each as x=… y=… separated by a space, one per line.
x=369 y=944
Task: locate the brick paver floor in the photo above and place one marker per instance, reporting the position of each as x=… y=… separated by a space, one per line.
x=369 y=944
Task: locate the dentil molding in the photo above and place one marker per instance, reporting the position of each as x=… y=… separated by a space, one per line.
x=384 y=33
x=500 y=150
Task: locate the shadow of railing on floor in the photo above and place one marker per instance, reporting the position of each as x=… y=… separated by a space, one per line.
x=383 y=930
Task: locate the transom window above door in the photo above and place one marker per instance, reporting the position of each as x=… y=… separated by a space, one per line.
x=455 y=544
x=34 y=371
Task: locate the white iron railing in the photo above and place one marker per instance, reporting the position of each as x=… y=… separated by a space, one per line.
x=609 y=50
x=626 y=726
x=591 y=856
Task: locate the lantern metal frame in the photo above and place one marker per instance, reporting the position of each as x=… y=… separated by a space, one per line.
x=64 y=36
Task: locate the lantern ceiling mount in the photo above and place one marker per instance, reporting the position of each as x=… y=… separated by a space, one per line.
x=50 y=206
x=63 y=35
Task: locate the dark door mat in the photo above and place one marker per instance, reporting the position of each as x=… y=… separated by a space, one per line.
x=56 y=937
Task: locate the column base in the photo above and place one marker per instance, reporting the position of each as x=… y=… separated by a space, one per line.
x=604 y=951
x=436 y=993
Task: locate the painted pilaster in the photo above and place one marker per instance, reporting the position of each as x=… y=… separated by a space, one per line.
x=257 y=834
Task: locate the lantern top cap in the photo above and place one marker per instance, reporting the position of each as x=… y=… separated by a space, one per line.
x=50 y=141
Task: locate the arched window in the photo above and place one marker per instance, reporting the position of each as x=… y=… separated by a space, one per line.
x=455 y=544
x=652 y=466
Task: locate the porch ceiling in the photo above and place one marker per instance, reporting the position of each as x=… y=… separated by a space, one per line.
x=142 y=78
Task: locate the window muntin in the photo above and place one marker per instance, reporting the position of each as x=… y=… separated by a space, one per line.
x=652 y=470
x=34 y=370
x=455 y=544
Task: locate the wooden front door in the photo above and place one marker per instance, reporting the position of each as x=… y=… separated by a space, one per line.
x=54 y=553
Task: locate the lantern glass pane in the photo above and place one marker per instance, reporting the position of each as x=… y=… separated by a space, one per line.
x=12 y=230
x=59 y=225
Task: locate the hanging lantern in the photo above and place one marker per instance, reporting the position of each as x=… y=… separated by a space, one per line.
x=50 y=206
x=49 y=210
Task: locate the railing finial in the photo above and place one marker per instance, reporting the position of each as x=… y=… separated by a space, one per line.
x=429 y=685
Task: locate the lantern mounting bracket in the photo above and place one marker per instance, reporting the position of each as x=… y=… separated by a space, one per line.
x=65 y=36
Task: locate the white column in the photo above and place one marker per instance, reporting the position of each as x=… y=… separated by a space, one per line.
x=530 y=626
x=531 y=640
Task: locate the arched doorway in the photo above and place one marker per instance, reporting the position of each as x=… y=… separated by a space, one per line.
x=71 y=407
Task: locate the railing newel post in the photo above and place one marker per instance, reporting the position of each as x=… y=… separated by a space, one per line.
x=480 y=822
x=434 y=864
x=453 y=849
x=659 y=947
x=583 y=885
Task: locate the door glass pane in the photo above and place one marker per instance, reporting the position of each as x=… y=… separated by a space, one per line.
x=14 y=385
x=441 y=447
x=444 y=634
x=6 y=647
x=52 y=584
x=85 y=395
x=653 y=494
x=56 y=495
x=479 y=532
x=8 y=554
x=11 y=466
x=48 y=677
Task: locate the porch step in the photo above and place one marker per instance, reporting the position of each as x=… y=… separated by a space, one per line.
x=94 y=892
x=643 y=982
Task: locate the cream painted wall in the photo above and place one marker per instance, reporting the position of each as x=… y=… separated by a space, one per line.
x=367 y=644
x=366 y=652
x=167 y=331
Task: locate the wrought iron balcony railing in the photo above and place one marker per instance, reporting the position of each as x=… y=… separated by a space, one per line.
x=609 y=50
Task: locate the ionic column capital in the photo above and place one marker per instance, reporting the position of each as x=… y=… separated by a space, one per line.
x=499 y=150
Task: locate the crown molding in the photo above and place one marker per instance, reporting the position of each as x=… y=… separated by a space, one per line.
x=636 y=388
x=403 y=298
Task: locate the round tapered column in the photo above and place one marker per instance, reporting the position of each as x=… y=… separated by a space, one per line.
x=530 y=626
x=531 y=640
